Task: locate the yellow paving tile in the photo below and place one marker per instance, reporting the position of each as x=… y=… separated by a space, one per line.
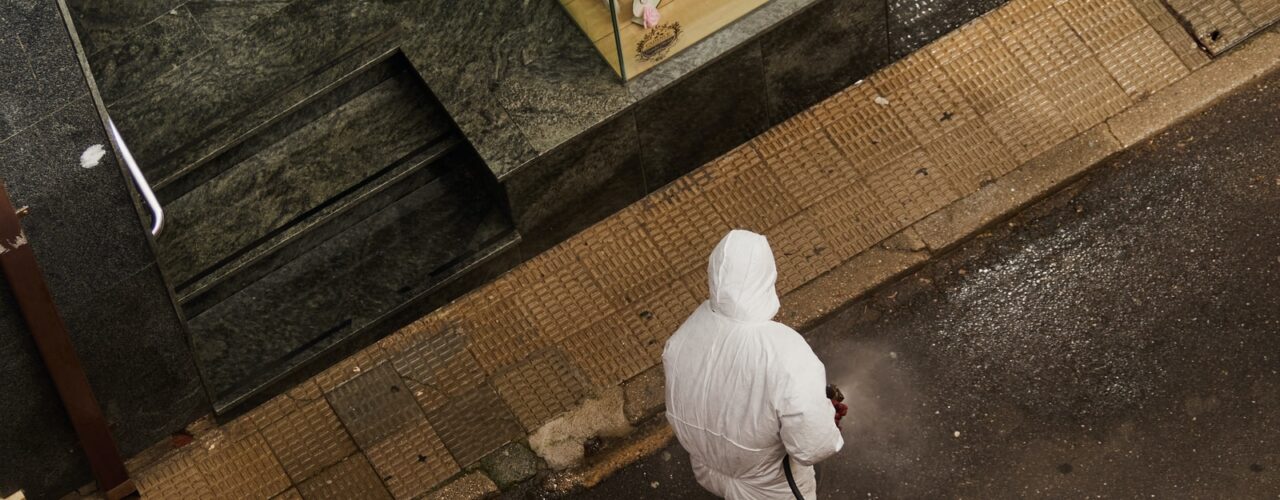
x=426 y=327
x=306 y=391
x=1045 y=45
x=801 y=251
x=1186 y=48
x=810 y=167
x=984 y=70
x=746 y=193
x=795 y=129
x=912 y=188
x=683 y=224
x=1102 y=23
x=923 y=96
x=1142 y=63
x=622 y=257
x=970 y=156
x=241 y=465
x=413 y=461
x=1156 y=13
x=1086 y=94
x=352 y=477
x=854 y=219
x=540 y=387
x=177 y=477
x=496 y=323
x=655 y=318
x=274 y=409
x=608 y=352
x=1218 y=24
x=308 y=440
x=860 y=123
x=1013 y=15
x=1029 y=124
x=1261 y=12
x=560 y=294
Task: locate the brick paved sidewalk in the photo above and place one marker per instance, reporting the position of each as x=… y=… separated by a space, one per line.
x=453 y=398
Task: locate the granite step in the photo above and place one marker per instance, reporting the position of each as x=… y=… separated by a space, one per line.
x=374 y=194
x=336 y=204
x=435 y=225
x=281 y=173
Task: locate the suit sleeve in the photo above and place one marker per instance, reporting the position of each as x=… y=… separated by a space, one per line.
x=809 y=430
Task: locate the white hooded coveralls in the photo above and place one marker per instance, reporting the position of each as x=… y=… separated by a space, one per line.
x=743 y=390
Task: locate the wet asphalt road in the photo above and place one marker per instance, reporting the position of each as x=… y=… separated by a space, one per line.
x=1119 y=339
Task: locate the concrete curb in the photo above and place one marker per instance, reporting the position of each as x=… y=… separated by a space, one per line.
x=649 y=440
x=1253 y=59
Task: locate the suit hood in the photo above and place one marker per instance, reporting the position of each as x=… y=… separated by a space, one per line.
x=741 y=275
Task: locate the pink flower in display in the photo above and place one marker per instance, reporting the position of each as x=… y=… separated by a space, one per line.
x=651 y=16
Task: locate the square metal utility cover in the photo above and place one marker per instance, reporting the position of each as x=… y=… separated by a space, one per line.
x=374 y=405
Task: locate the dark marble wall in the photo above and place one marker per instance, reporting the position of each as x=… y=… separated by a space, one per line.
x=578 y=183
x=704 y=115
x=821 y=51
x=915 y=23
x=92 y=243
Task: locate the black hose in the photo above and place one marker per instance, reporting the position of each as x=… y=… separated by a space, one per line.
x=791 y=480
x=833 y=393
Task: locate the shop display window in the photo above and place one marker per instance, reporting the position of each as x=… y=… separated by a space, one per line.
x=636 y=35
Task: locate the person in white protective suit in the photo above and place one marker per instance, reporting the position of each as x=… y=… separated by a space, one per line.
x=744 y=391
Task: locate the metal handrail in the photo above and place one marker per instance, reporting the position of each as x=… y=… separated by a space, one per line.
x=157 y=212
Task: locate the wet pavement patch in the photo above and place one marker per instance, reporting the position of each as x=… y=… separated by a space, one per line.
x=1118 y=338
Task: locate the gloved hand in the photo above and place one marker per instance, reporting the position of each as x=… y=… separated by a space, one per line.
x=841 y=410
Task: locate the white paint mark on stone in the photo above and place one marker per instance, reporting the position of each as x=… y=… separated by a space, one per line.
x=956 y=434
x=93 y=156
x=16 y=243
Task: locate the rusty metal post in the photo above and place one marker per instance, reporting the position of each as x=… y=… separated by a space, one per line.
x=32 y=293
